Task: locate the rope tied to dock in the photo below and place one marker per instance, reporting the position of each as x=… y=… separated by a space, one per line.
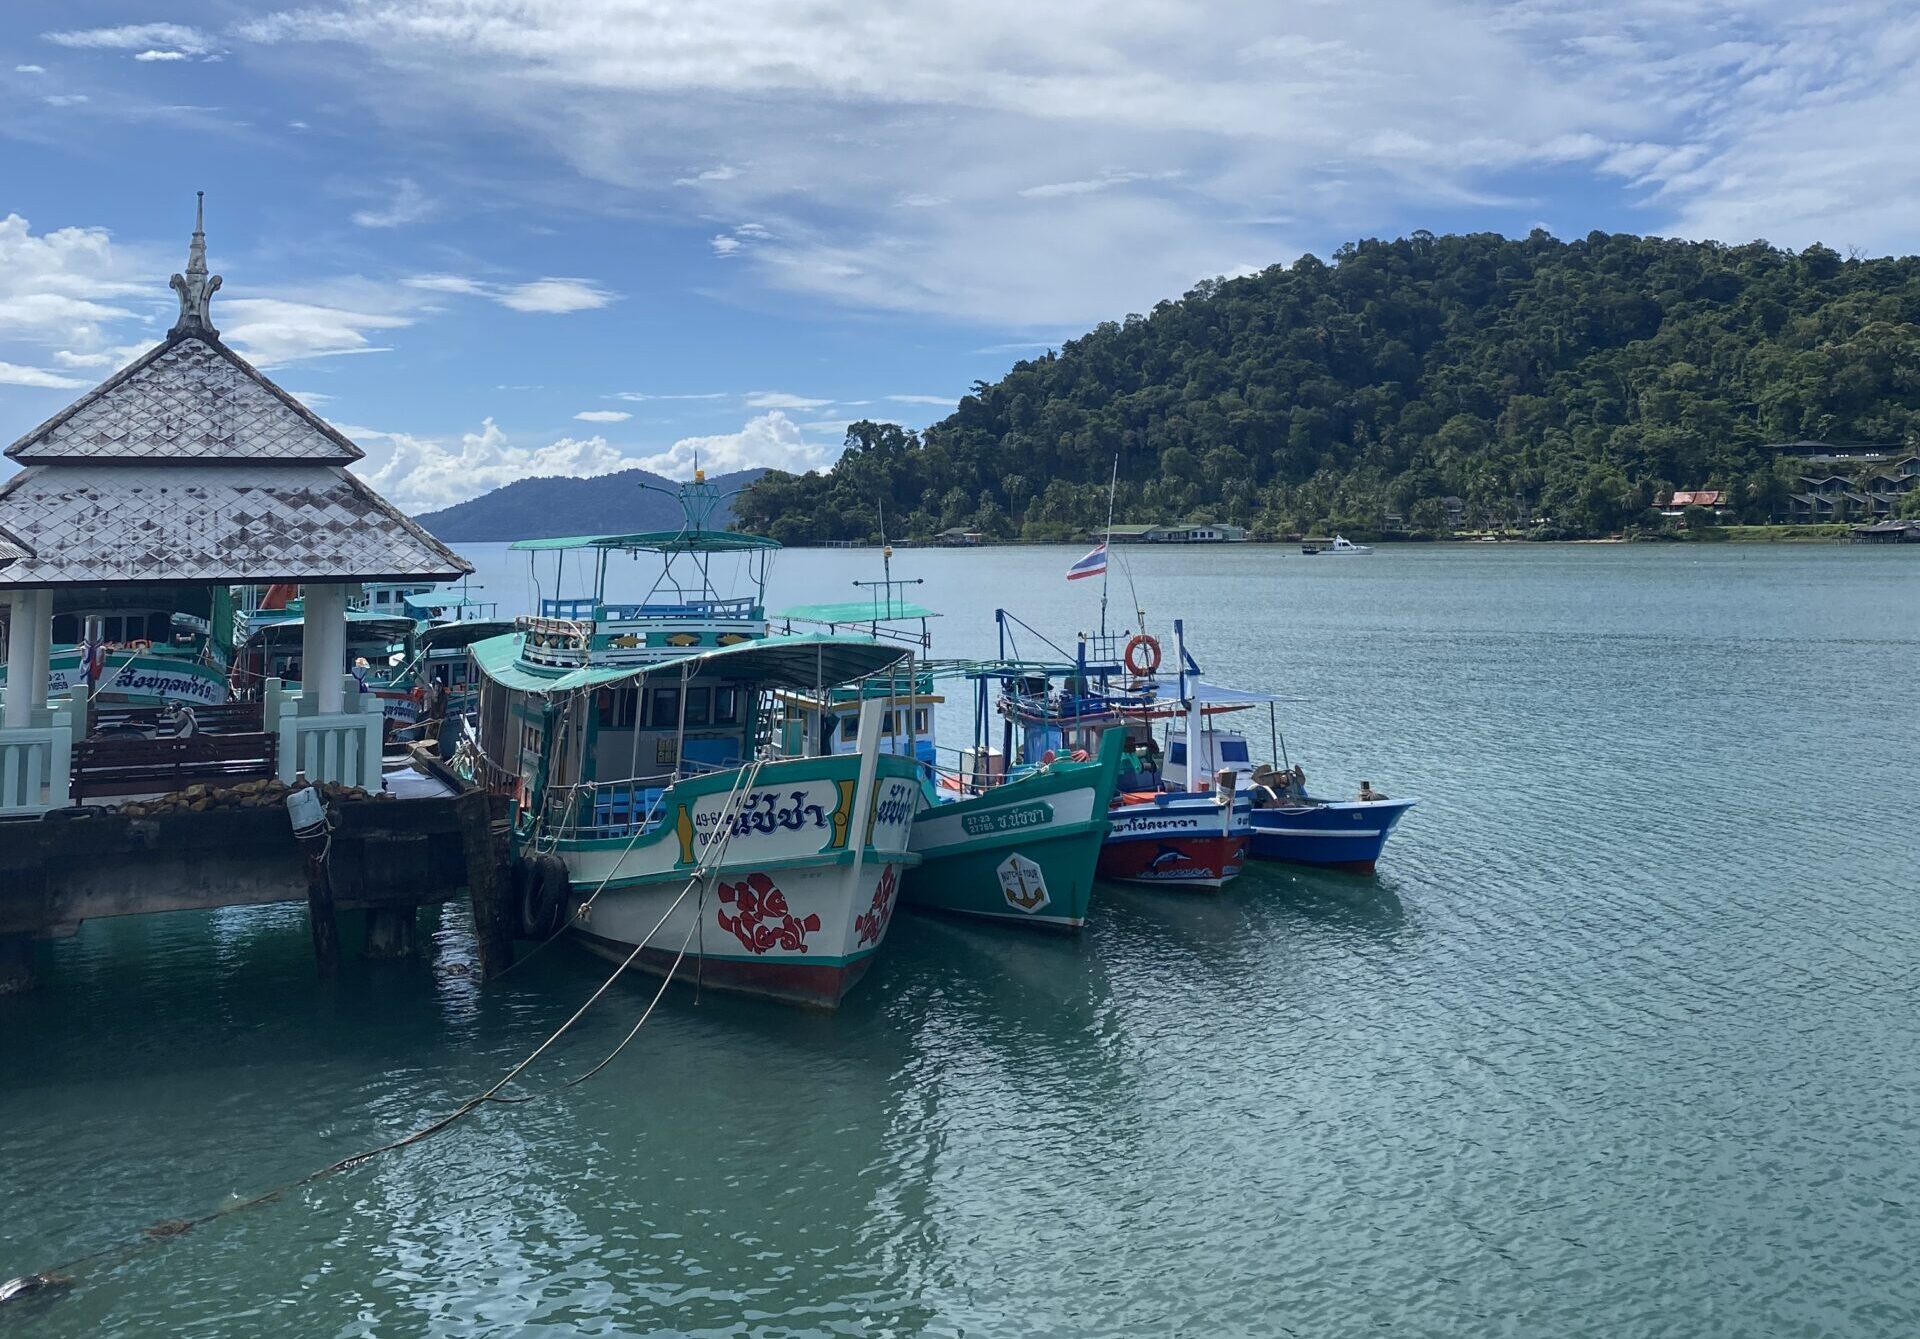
x=713 y=853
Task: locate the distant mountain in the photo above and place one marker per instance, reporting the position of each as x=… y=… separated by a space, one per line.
x=545 y=508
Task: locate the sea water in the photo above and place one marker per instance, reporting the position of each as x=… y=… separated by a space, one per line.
x=1624 y=1038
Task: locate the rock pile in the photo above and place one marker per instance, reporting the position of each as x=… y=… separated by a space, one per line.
x=263 y=794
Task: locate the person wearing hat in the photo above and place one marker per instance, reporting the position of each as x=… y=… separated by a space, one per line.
x=360 y=668
x=1263 y=794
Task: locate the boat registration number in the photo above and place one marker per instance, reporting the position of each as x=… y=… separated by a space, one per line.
x=1008 y=820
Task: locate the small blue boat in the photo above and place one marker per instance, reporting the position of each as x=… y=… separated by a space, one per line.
x=1289 y=822
x=1334 y=834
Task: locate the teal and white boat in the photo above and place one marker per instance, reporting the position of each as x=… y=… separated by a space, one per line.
x=150 y=645
x=661 y=818
x=1017 y=848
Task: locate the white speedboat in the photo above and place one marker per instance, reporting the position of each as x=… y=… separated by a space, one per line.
x=1340 y=544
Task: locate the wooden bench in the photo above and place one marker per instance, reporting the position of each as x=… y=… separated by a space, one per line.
x=156 y=766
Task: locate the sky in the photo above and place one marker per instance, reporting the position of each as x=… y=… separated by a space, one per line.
x=496 y=238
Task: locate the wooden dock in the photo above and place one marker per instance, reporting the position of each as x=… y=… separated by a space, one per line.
x=385 y=859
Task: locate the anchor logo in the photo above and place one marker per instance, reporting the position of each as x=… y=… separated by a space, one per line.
x=1023 y=884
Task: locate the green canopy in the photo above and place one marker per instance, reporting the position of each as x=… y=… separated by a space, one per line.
x=856 y=611
x=804 y=660
x=656 y=541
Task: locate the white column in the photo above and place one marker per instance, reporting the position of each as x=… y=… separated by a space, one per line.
x=22 y=657
x=323 y=647
x=1196 y=737
x=42 y=645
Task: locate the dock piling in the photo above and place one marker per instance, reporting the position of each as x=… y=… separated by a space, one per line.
x=486 y=886
x=16 y=965
x=320 y=914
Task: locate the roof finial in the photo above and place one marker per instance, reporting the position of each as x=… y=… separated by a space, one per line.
x=196 y=287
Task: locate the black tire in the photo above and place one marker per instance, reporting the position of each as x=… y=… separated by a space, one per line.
x=546 y=893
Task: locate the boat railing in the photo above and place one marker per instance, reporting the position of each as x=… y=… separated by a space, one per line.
x=595 y=611
x=743 y=608
x=554 y=641
x=590 y=809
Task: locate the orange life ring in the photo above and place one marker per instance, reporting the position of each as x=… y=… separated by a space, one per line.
x=139 y=644
x=1147 y=664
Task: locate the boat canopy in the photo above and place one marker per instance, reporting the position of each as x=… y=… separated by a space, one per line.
x=804 y=660
x=855 y=611
x=654 y=541
x=360 y=622
x=445 y=636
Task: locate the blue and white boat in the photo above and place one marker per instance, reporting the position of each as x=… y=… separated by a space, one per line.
x=1290 y=823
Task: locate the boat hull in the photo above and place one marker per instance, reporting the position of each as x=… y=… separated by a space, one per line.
x=133 y=679
x=1345 y=835
x=1023 y=853
x=790 y=910
x=1181 y=841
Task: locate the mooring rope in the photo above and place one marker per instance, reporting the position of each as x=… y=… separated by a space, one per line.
x=714 y=851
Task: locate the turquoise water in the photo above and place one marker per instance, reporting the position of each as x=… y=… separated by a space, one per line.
x=1623 y=1039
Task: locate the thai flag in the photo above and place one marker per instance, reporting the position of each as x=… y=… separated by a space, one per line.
x=1093 y=565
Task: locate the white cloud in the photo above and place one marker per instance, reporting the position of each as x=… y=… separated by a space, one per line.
x=772 y=440
x=1784 y=120
x=448 y=283
x=425 y=473
x=311 y=399
x=724 y=172
x=135 y=36
x=924 y=399
x=638 y=397
x=275 y=331
x=1084 y=187
x=782 y=400
x=12 y=374
x=543 y=296
x=723 y=245
x=63 y=289
x=115 y=357
x=406 y=203
x=554 y=296
x=162 y=55
x=603 y=416
x=29 y=69
x=65 y=99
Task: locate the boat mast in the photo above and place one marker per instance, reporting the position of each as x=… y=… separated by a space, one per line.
x=1106 y=543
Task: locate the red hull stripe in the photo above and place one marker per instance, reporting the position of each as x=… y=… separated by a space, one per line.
x=1173 y=860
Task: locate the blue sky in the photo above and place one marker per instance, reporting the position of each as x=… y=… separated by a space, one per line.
x=499 y=237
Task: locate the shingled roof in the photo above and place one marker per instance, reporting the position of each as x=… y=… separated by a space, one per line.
x=190 y=466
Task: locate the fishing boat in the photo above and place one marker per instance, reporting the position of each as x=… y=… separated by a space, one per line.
x=142 y=646
x=1340 y=544
x=1162 y=832
x=1289 y=822
x=380 y=647
x=661 y=818
x=1017 y=848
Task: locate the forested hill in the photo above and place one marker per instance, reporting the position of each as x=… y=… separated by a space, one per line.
x=1532 y=378
x=543 y=508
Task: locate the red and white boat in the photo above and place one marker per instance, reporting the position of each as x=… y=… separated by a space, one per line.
x=1164 y=833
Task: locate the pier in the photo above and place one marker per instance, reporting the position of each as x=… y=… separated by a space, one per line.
x=138 y=511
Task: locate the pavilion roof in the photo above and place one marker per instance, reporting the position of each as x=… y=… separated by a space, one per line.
x=109 y=524
x=190 y=466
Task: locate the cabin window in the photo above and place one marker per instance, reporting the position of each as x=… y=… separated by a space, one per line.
x=1177 y=752
x=920 y=721
x=663 y=711
x=699 y=704
x=886 y=723
x=66 y=629
x=726 y=706
x=1233 y=750
x=614 y=708
x=849 y=728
